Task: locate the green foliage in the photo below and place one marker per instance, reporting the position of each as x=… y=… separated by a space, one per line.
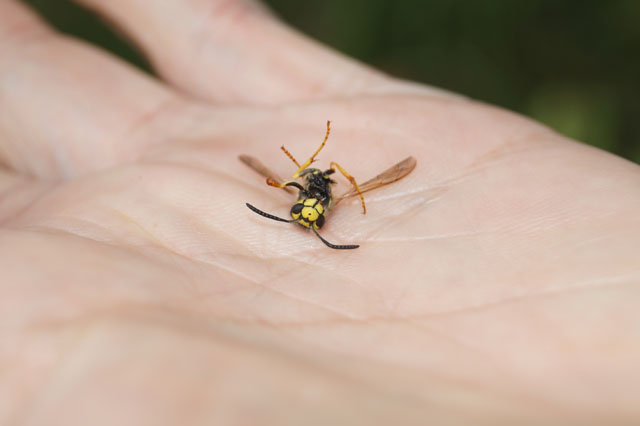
x=573 y=65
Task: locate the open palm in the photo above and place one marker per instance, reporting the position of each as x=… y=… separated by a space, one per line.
x=497 y=281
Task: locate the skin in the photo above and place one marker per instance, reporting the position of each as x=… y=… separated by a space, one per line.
x=496 y=284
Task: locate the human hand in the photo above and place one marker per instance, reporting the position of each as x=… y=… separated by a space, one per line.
x=496 y=282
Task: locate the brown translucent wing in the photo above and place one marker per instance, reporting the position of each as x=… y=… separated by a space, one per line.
x=390 y=175
x=263 y=170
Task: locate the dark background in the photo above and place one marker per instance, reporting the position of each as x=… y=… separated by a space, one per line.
x=572 y=64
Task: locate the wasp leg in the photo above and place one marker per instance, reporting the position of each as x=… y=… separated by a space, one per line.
x=295 y=184
x=353 y=182
x=288 y=154
x=312 y=159
x=302 y=167
x=273 y=183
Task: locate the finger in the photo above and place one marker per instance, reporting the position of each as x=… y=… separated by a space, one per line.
x=7 y=181
x=67 y=108
x=235 y=51
x=17 y=192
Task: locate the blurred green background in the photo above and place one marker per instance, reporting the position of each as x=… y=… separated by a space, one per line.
x=573 y=64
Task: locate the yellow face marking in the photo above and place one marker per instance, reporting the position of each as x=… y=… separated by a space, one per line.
x=310 y=201
x=320 y=208
x=310 y=214
x=303 y=223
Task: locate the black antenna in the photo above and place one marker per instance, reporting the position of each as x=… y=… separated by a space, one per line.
x=269 y=216
x=279 y=219
x=334 y=246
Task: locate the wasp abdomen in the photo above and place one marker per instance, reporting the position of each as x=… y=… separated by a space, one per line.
x=308 y=211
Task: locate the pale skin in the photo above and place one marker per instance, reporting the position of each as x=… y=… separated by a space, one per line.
x=498 y=281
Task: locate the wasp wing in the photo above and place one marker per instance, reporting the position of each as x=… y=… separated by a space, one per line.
x=263 y=170
x=392 y=174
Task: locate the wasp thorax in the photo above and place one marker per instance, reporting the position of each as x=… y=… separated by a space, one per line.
x=308 y=211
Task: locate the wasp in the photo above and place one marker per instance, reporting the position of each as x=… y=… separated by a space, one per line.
x=315 y=198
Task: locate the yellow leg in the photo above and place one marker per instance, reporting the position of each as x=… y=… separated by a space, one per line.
x=273 y=183
x=312 y=159
x=308 y=163
x=289 y=155
x=353 y=182
x=270 y=182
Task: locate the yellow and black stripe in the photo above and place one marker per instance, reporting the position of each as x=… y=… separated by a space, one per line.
x=308 y=212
